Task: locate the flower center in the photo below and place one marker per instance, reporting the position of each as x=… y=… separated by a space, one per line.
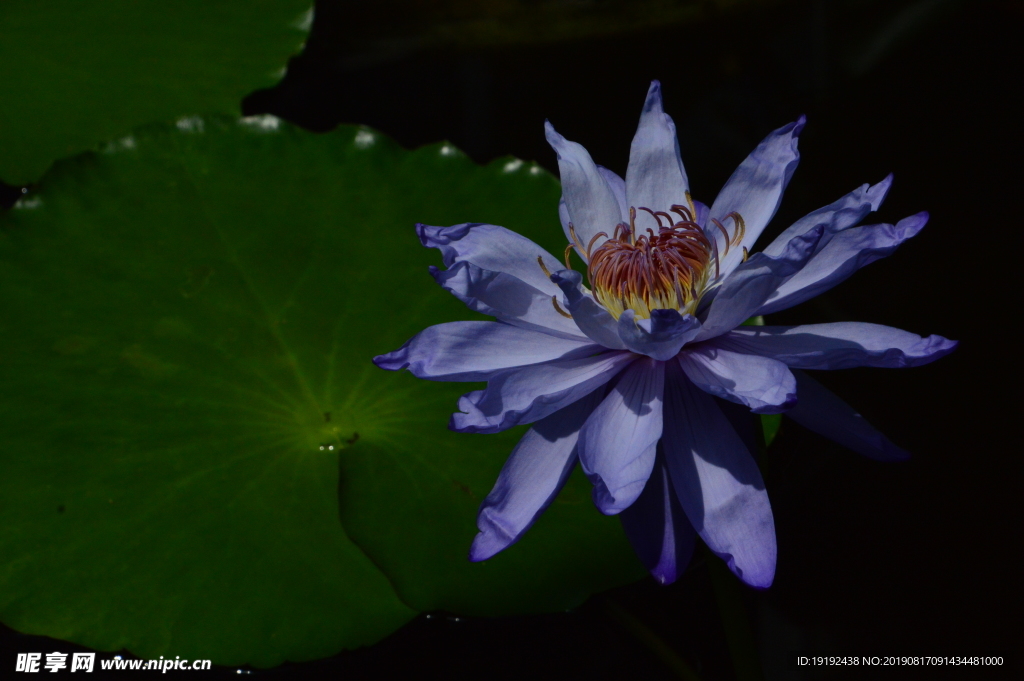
x=663 y=270
x=667 y=269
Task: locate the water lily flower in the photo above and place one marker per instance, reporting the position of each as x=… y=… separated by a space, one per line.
x=645 y=375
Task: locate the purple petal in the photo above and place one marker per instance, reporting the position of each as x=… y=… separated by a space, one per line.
x=531 y=478
x=718 y=484
x=492 y=248
x=764 y=385
x=820 y=410
x=588 y=197
x=659 y=337
x=841 y=345
x=846 y=253
x=744 y=291
x=505 y=297
x=755 y=190
x=837 y=216
x=655 y=178
x=476 y=351
x=658 y=529
x=618 y=187
x=701 y=218
x=529 y=394
x=618 y=442
x=589 y=317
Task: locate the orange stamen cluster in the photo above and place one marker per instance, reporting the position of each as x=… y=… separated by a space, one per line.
x=663 y=270
x=670 y=269
x=667 y=270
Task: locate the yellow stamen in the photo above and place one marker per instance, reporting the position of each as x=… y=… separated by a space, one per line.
x=543 y=267
x=558 y=308
x=741 y=228
x=577 y=243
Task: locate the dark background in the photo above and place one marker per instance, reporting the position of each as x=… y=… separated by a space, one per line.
x=874 y=559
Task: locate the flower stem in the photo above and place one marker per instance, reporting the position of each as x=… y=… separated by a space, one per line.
x=735 y=622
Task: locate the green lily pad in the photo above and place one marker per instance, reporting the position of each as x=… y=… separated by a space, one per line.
x=199 y=457
x=78 y=73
